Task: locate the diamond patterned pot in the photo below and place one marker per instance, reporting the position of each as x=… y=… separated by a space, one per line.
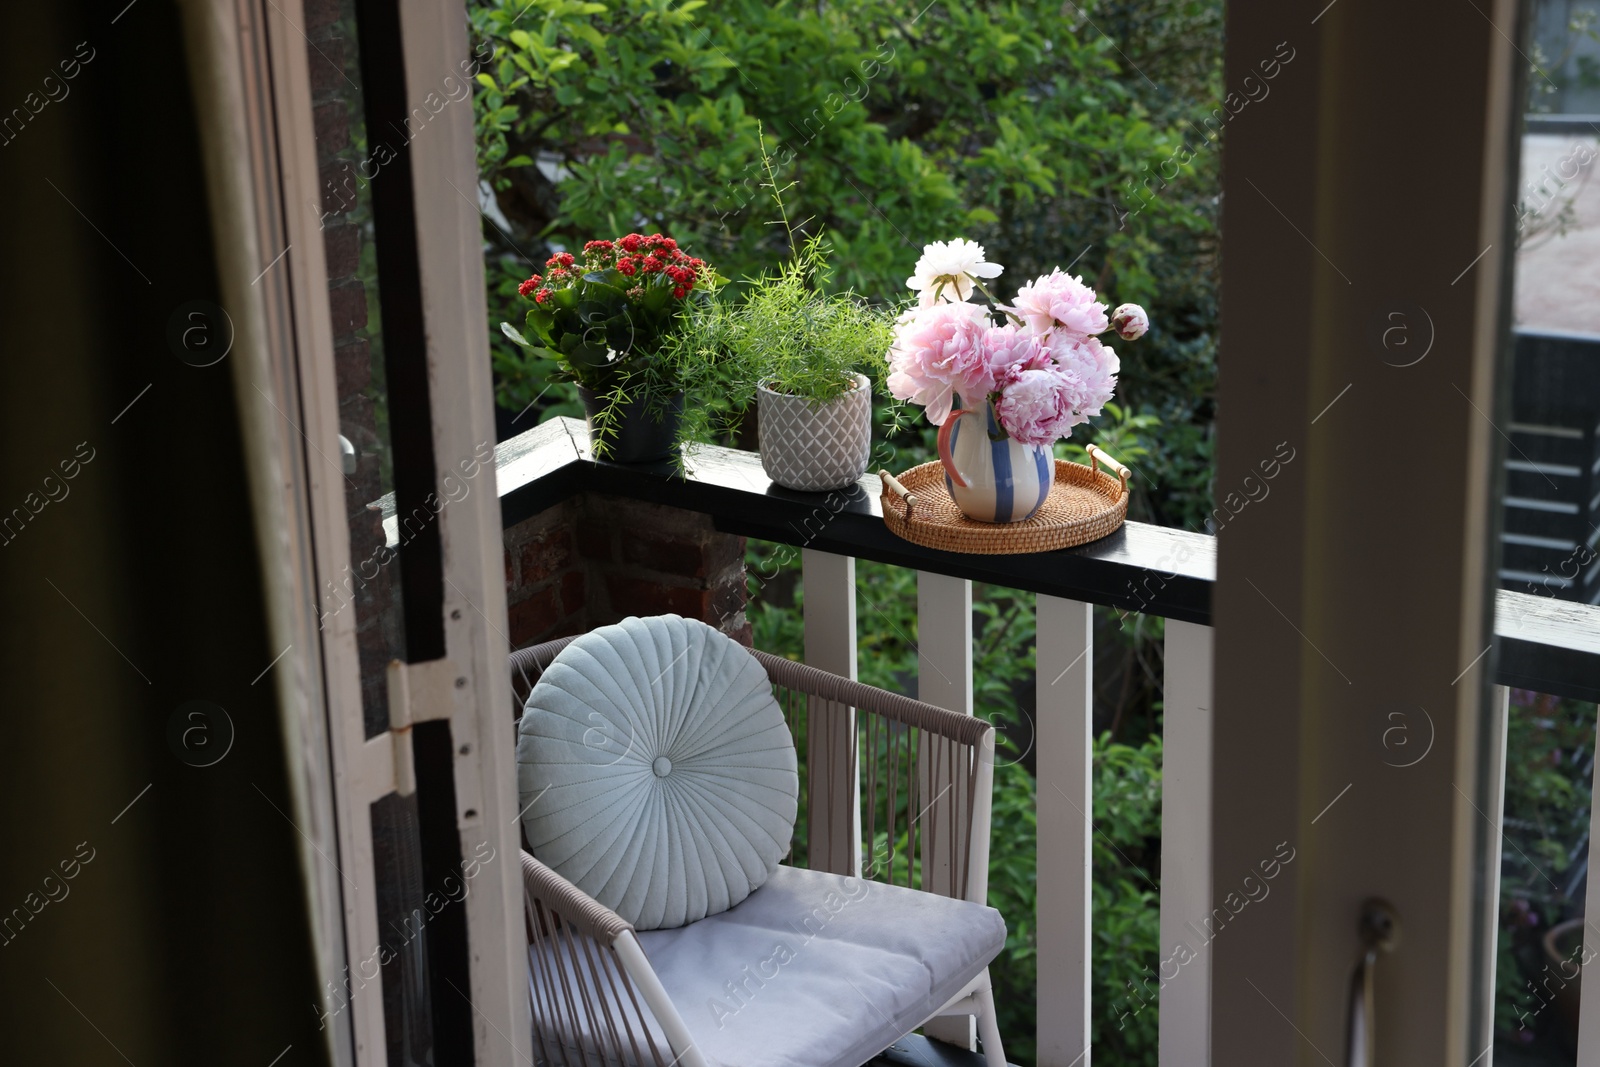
x=813 y=447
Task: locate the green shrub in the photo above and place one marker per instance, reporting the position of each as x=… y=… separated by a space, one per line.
x=1550 y=753
x=1021 y=125
x=783 y=329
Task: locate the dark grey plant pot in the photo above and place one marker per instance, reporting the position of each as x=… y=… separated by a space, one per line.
x=638 y=436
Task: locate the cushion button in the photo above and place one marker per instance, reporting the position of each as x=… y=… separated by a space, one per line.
x=662 y=766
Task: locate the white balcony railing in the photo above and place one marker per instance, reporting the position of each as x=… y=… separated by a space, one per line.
x=1064 y=663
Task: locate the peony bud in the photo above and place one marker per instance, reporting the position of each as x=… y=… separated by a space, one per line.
x=1130 y=321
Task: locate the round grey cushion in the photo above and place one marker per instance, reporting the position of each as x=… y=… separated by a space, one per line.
x=656 y=771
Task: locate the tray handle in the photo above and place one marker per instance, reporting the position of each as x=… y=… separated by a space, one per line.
x=905 y=494
x=1097 y=454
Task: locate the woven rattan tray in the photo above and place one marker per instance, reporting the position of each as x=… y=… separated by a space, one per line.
x=1084 y=504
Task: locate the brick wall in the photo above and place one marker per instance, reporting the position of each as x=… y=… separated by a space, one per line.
x=597 y=559
x=546 y=581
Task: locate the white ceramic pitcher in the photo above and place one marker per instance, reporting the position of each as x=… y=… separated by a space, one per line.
x=991 y=477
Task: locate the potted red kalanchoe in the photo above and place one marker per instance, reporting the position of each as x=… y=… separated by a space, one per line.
x=603 y=320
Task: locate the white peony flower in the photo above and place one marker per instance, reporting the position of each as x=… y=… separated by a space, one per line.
x=948 y=269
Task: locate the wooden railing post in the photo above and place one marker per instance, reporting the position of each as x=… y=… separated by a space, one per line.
x=1065 y=674
x=834 y=786
x=944 y=677
x=1184 y=970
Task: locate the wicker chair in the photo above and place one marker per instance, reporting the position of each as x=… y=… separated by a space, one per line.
x=892 y=791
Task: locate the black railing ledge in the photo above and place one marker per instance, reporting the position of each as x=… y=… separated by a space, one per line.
x=1542 y=644
x=1139 y=568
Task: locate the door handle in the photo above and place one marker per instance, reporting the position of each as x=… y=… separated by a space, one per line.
x=1380 y=932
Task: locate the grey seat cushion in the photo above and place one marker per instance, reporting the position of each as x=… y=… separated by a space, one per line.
x=656 y=770
x=813 y=970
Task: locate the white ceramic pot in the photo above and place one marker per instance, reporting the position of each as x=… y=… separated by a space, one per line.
x=815 y=446
x=991 y=477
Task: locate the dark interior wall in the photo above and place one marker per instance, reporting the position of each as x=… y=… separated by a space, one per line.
x=151 y=908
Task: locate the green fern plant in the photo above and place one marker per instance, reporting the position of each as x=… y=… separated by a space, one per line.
x=794 y=337
x=786 y=332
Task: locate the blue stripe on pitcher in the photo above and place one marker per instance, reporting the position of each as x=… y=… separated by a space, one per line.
x=1000 y=463
x=1044 y=463
x=1000 y=456
x=1021 y=485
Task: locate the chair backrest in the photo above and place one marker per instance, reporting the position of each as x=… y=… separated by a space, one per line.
x=891 y=788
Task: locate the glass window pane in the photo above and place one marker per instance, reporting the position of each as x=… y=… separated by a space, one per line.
x=1549 y=530
x=1552 y=484
x=369 y=586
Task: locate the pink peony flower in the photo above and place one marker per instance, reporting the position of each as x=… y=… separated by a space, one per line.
x=1057 y=302
x=1035 y=406
x=1130 y=322
x=938 y=351
x=1089 y=373
x=1012 y=350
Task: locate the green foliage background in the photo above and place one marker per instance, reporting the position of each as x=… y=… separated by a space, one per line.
x=1024 y=125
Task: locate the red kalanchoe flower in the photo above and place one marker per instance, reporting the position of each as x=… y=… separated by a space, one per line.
x=652 y=264
x=669 y=244
x=530 y=285
x=680 y=292
x=626 y=267
x=541 y=296
x=597 y=246
x=631 y=242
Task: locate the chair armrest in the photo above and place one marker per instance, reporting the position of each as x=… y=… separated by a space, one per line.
x=587 y=975
x=586 y=914
x=963 y=729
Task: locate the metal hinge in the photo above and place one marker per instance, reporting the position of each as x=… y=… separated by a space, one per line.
x=418 y=692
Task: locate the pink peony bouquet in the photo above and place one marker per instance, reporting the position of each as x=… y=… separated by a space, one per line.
x=1044 y=369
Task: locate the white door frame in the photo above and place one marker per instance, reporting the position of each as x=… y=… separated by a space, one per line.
x=253 y=91
x=1362 y=587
